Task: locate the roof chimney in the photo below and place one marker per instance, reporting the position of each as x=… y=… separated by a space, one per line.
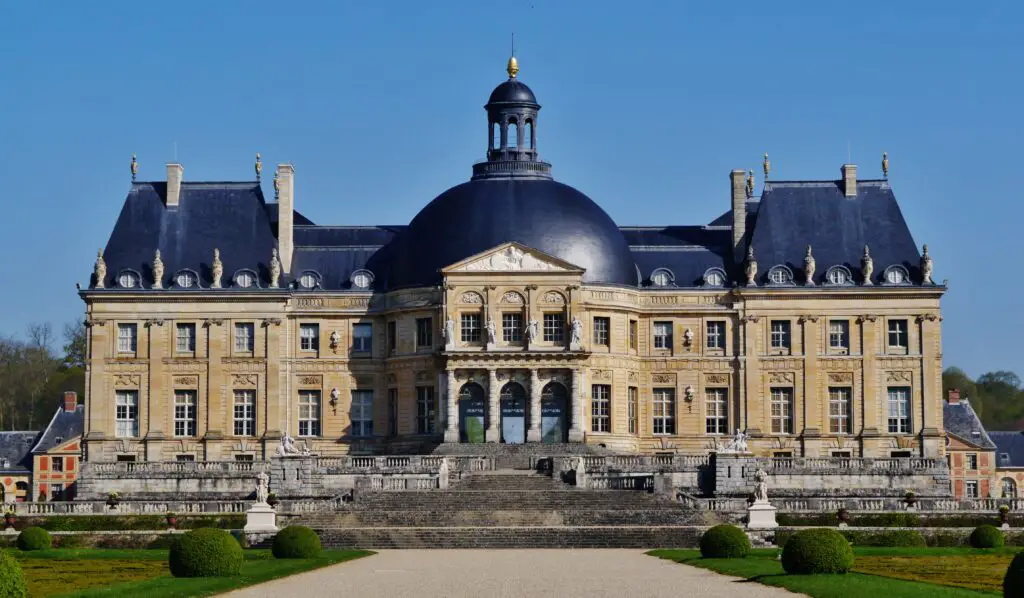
x=953 y=398
x=739 y=214
x=70 y=400
x=850 y=180
x=175 y=172
x=285 y=213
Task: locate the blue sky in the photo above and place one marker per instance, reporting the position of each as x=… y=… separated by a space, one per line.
x=647 y=106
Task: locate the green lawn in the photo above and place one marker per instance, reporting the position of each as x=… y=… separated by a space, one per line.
x=86 y=572
x=763 y=567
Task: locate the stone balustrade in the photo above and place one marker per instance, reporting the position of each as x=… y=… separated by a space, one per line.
x=149 y=468
x=95 y=507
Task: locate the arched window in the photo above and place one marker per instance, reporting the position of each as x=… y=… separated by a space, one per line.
x=528 y=135
x=780 y=276
x=496 y=136
x=1009 y=488
x=838 y=276
x=513 y=134
x=662 y=277
x=896 y=275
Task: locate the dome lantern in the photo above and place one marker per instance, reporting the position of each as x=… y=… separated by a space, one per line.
x=512 y=131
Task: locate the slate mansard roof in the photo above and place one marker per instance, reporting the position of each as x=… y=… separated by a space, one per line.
x=16 y=451
x=1009 y=448
x=64 y=426
x=960 y=420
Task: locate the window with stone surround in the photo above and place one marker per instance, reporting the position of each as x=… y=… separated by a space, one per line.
x=972 y=461
x=424 y=333
x=839 y=398
x=781 y=340
x=470 y=328
x=600 y=408
x=664 y=411
x=898 y=337
x=309 y=337
x=663 y=335
x=392 y=412
x=56 y=491
x=185 y=458
x=1008 y=487
x=185 y=338
x=602 y=326
x=426 y=410
x=717 y=416
x=127 y=338
x=57 y=464
x=362 y=338
x=309 y=413
x=716 y=335
x=512 y=327
x=126 y=413
x=245 y=413
x=245 y=337
x=362 y=413
x=971 y=489
x=392 y=332
x=782 y=410
x=634 y=327
x=634 y=409
x=184 y=413
x=839 y=335
x=899 y=410
x=554 y=327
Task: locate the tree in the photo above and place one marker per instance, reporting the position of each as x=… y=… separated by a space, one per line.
x=997 y=397
x=74 y=344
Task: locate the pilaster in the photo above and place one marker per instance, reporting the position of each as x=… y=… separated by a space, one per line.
x=870 y=414
x=533 y=434
x=451 y=432
x=576 y=427
x=493 y=433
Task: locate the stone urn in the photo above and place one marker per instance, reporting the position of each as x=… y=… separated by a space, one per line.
x=1004 y=514
x=9 y=519
x=113 y=499
x=910 y=498
x=843 y=516
x=172 y=520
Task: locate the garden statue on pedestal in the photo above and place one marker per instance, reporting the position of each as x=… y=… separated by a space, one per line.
x=737 y=444
x=288 y=448
x=761 y=513
x=261 y=517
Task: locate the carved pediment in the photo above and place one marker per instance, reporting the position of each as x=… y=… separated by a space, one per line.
x=512 y=257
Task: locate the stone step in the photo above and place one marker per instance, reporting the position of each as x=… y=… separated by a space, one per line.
x=508 y=480
x=513 y=537
x=498 y=518
x=510 y=500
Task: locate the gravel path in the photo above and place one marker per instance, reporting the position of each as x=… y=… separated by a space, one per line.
x=509 y=573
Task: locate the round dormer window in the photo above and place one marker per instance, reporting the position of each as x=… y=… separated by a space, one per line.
x=245 y=279
x=185 y=279
x=308 y=280
x=896 y=275
x=662 y=277
x=838 y=275
x=128 y=280
x=362 y=279
x=714 y=277
x=780 y=275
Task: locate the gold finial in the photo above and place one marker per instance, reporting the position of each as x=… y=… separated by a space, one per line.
x=885 y=164
x=512 y=68
x=259 y=167
x=135 y=167
x=750 y=184
x=767 y=166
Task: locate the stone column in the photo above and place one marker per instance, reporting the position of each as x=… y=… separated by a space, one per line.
x=493 y=434
x=451 y=433
x=533 y=434
x=576 y=429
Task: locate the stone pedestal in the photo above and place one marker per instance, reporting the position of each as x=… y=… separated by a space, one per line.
x=761 y=515
x=451 y=435
x=533 y=435
x=261 y=517
x=575 y=435
x=492 y=435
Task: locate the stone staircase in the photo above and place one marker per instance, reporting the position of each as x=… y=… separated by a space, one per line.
x=508 y=509
x=519 y=456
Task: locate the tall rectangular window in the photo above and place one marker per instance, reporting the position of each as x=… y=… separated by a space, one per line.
x=971 y=489
x=245 y=337
x=185 y=335
x=426 y=410
x=392 y=412
x=898 y=334
x=184 y=413
x=634 y=328
x=664 y=411
x=56 y=491
x=362 y=338
x=717 y=418
x=245 y=413
x=424 y=333
x=392 y=337
x=362 y=413
x=663 y=335
x=470 y=327
x=600 y=408
x=126 y=413
x=780 y=334
x=782 y=410
x=57 y=464
x=716 y=335
x=554 y=328
x=601 y=330
x=127 y=338
x=512 y=327
x=309 y=337
x=972 y=461
x=309 y=413
x=839 y=335
x=899 y=410
x=634 y=408
x=839 y=409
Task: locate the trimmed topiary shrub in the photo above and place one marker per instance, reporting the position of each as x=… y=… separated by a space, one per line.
x=205 y=552
x=34 y=538
x=296 y=542
x=724 y=542
x=1013 y=582
x=12 y=582
x=987 y=536
x=817 y=551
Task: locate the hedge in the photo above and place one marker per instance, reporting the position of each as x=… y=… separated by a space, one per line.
x=105 y=523
x=819 y=550
x=12 y=582
x=987 y=536
x=724 y=542
x=896 y=538
x=205 y=552
x=1013 y=582
x=296 y=542
x=896 y=520
x=34 y=538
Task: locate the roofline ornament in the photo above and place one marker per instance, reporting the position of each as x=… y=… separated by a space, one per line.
x=927 y=265
x=100 y=269
x=217 y=267
x=158 y=271
x=867 y=266
x=885 y=165
x=809 y=267
x=275 y=269
x=750 y=267
x=134 y=167
x=259 y=168
x=767 y=165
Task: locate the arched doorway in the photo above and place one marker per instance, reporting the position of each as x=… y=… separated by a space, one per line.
x=513 y=413
x=1008 y=487
x=472 y=408
x=21 y=492
x=553 y=425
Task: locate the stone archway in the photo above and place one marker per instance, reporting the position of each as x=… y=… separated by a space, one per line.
x=554 y=409
x=513 y=413
x=472 y=411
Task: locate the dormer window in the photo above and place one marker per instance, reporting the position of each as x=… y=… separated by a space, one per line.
x=780 y=276
x=309 y=280
x=362 y=279
x=662 y=277
x=186 y=279
x=838 y=276
x=896 y=275
x=128 y=279
x=245 y=279
x=714 y=277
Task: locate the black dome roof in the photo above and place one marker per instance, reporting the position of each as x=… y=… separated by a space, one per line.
x=475 y=216
x=512 y=91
